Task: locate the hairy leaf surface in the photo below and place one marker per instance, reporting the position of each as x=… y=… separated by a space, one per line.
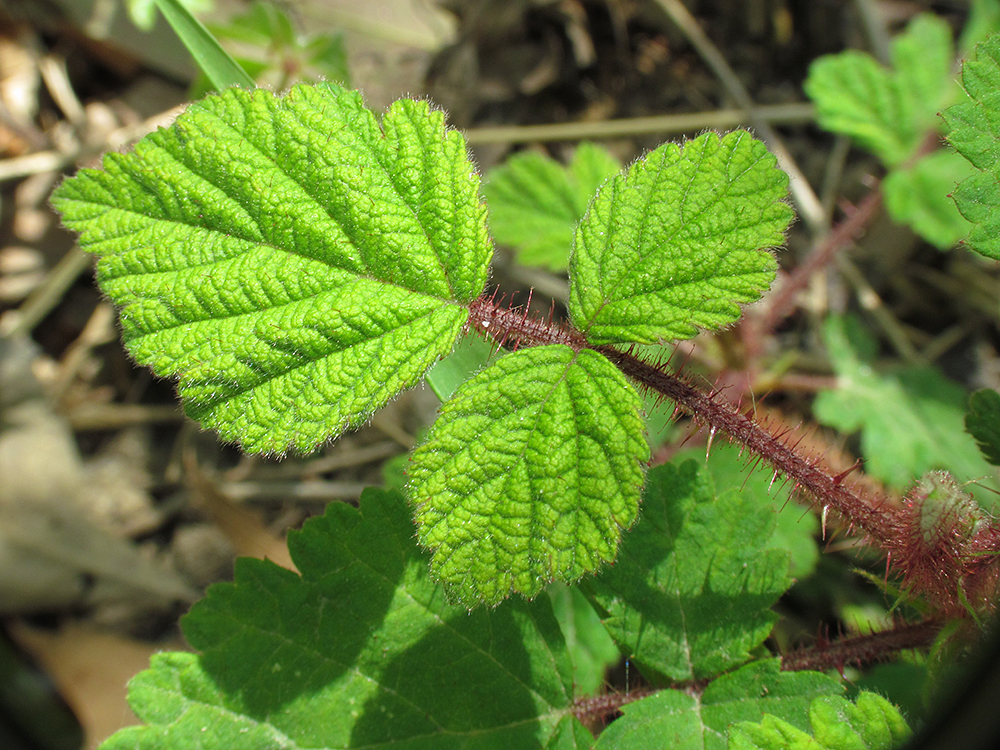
x=530 y=473
x=975 y=133
x=678 y=241
x=292 y=261
x=361 y=650
x=535 y=202
x=691 y=591
x=681 y=721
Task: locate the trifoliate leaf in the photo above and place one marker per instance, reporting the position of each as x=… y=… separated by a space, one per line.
x=530 y=473
x=292 y=261
x=975 y=133
x=982 y=421
x=920 y=197
x=360 y=650
x=872 y=723
x=888 y=112
x=691 y=591
x=535 y=202
x=911 y=420
x=678 y=240
x=682 y=721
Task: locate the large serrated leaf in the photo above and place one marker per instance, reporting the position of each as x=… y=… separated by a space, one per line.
x=293 y=262
x=361 y=650
x=690 y=593
x=888 y=111
x=678 y=241
x=530 y=473
x=684 y=721
x=975 y=133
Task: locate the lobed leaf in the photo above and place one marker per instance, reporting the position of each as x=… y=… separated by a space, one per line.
x=888 y=111
x=975 y=133
x=690 y=593
x=911 y=420
x=871 y=723
x=678 y=240
x=530 y=473
x=294 y=263
x=360 y=650
x=535 y=202
x=682 y=721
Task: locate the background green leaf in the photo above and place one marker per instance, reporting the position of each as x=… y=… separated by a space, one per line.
x=590 y=647
x=678 y=240
x=360 y=650
x=535 y=202
x=691 y=591
x=911 y=419
x=871 y=723
x=982 y=421
x=975 y=133
x=530 y=473
x=681 y=721
x=919 y=196
x=292 y=261
x=888 y=111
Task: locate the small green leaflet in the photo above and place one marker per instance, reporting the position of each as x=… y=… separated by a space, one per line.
x=535 y=203
x=678 y=240
x=360 y=650
x=888 y=112
x=294 y=263
x=871 y=723
x=691 y=592
x=530 y=473
x=982 y=421
x=682 y=721
x=975 y=133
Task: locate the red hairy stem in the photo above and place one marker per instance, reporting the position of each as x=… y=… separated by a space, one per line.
x=862 y=649
x=881 y=522
x=602 y=706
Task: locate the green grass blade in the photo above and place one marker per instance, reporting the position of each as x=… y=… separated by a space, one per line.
x=222 y=70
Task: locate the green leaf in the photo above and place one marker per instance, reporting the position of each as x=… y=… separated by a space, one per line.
x=530 y=473
x=982 y=421
x=535 y=203
x=872 y=723
x=795 y=530
x=222 y=70
x=975 y=133
x=888 y=112
x=911 y=419
x=691 y=591
x=470 y=355
x=920 y=197
x=292 y=261
x=678 y=240
x=702 y=722
x=590 y=647
x=360 y=650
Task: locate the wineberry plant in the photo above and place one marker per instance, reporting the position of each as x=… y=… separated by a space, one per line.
x=296 y=261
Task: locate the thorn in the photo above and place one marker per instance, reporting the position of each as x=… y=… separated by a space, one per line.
x=774 y=478
x=826 y=509
x=708 y=446
x=840 y=477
